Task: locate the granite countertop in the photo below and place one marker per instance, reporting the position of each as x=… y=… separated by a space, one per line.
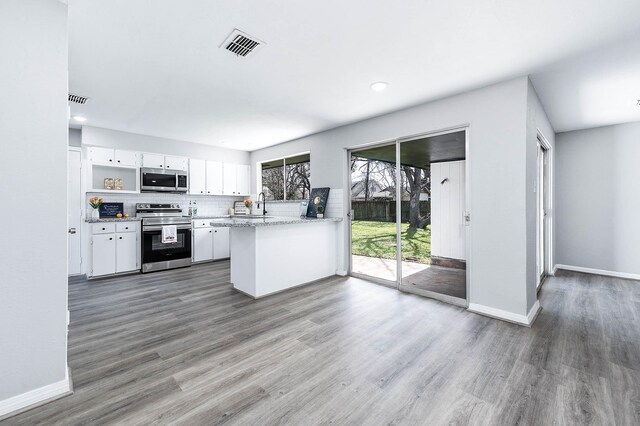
x=112 y=219
x=237 y=222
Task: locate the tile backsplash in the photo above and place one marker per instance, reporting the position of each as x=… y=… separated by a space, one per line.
x=213 y=205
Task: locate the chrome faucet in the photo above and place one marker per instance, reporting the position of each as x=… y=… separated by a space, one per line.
x=264 y=204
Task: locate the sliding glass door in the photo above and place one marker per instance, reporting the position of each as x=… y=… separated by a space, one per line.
x=408 y=211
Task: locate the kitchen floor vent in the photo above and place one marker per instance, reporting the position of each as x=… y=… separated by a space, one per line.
x=77 y=99
x=241 y=44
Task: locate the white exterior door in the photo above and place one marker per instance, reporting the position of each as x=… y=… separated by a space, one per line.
x=197 y=177
x=448 y=231
x=74 y=212
x=221 y=243
x=202 y=244
x=103 y=254
x=126 y=252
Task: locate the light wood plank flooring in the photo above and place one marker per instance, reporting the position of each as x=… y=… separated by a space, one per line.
x=182 y=347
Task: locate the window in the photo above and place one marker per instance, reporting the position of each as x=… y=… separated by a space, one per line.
x=287 y=178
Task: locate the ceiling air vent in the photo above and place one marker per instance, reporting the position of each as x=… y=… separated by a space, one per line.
x=77 y=99
x=241 y=44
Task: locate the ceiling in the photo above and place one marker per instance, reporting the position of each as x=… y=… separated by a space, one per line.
x=420 y=152
x=155 y=67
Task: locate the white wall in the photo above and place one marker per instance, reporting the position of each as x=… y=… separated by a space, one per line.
x=498 y=175
x=143 y=143
x=33 y=171
x=598 y=198
x=537 y=121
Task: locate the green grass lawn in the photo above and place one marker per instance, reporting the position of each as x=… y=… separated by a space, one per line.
x=378 y=239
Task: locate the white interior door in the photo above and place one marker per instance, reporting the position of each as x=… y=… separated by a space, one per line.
x=541 y=201
x=74 y=211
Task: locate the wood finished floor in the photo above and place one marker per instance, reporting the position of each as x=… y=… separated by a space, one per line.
x=181 y=347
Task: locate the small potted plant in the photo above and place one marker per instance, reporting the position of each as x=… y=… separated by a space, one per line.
x=95 y=203
x=320 y=212
x=248 y=204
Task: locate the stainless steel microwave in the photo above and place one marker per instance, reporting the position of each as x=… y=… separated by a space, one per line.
x=161 y=180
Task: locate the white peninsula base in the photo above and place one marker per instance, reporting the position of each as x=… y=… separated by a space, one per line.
x=269 y=259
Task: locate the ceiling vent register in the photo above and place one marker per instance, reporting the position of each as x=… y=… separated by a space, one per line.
x=77 y=99
x=241 y=44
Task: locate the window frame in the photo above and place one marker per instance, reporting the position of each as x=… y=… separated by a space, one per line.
x=284 y=173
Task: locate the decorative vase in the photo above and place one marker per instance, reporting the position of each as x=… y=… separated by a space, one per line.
x=95 y=214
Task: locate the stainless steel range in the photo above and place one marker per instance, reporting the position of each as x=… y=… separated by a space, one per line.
x=156 y=255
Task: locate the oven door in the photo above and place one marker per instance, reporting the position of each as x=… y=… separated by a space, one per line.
x=157 y=180
x=154 y=250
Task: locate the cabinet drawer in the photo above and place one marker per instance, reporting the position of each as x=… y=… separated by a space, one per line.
x=103 y=228
x=126 y=227
x=202 y=223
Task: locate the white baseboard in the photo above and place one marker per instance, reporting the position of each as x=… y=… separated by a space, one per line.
x=526 y=320
x=598 y=272
x=19 y=403
x=342 y=273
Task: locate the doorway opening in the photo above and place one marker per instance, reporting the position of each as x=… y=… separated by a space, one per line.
x=542 y=209
x=408 y=215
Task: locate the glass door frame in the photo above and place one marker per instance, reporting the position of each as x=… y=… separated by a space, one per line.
x=467 y=215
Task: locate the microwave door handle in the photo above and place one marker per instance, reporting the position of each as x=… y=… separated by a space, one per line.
x=176 y=182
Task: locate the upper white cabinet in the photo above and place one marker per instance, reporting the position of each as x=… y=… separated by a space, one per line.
x=243 y=176
x=229 y=187
x=214 y=177
x=176 y=163
x=197 y=177
x=116 y=157
x=159 y=161
x=155 y=161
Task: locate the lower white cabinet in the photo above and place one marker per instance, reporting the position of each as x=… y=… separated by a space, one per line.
x=115 y=248
x=209 y=243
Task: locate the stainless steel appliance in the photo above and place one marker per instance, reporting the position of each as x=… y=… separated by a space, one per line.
x=161 y=180
x=156 y=255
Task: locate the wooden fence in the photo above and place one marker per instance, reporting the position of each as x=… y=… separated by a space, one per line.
x=384 y=211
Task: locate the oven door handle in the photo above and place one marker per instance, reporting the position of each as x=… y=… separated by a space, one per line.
x=159 y=227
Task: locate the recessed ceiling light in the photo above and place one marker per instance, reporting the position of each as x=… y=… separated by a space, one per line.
x=379 y=86
x=79 y=118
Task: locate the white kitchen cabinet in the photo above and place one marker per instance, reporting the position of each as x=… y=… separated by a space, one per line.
x=155 y=161
x=115 y=248
x=197 y=177
x=214 y=178
x=220 y=243
x=202 y=249
x=176 y=163
x=103 y=254
x=101 y=155
x=126 y=158
x=230 y=178
x=243 y=173
x=126 y=252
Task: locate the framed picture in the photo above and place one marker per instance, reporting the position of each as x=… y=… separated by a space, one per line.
x=318 y=198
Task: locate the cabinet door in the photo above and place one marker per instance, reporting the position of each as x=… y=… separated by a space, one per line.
x=126 y=252
x=176 y=163
x=202 y=244
x=103 y=254
x=242 y=179
x=214 y=178
x=101 y=155
x=197 y=177
x=220 y=243
x=126 y=158
x=229 y=181
x=155 y=161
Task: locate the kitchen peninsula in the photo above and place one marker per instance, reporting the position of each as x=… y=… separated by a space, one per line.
x=272 y=254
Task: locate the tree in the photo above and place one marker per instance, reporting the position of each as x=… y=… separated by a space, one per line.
x=417 y=182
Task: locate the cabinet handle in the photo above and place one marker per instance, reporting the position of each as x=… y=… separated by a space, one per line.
x=110 y=160
x=209 y=231
x=103 y=229
x=120 y=237
x=110 y=239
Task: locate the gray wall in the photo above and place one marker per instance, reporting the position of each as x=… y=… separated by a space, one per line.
x=75 y=137
x=497 y=119
x=536 y=121
x=598 y=198
x=33 y=171
x=135 y=142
